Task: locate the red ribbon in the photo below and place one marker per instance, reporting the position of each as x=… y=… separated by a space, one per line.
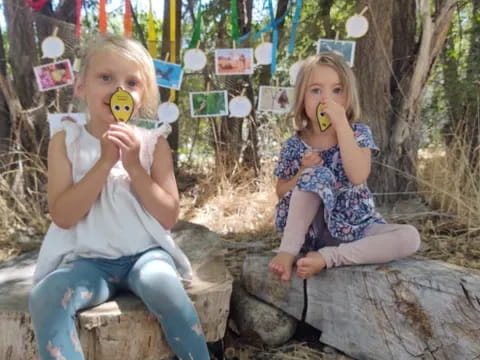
x=78 y=26
x=127 y=19
x=102 y=17
x=36 y=5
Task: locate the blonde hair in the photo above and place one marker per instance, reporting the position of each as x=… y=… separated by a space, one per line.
x=134 y=51
x=347 y=79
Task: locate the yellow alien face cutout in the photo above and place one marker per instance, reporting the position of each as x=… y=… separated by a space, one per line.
x=121 y=105
x=323 y=121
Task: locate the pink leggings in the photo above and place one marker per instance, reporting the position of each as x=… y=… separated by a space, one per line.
x=382 y=242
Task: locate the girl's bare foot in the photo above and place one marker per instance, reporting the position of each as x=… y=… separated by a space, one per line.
x=282 y=265
x=310 y=265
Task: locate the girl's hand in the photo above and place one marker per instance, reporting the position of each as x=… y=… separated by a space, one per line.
x=125 y=139
x=311 y=158
x=336 y=113
x=110 y=153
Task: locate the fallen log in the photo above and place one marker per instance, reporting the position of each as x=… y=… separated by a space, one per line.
x=122 y=328
x=407 y=309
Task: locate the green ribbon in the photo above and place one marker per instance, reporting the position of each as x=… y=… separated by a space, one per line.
x=198 y=27
x=235 y=30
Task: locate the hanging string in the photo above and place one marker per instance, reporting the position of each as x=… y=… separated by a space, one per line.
x=127 y=19
x=296 y=20
x=198 y=27
x=102 y=17
x=152 y=36
x=78 y=20
x=173 y=38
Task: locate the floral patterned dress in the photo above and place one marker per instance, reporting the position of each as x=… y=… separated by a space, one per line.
x=348 y=209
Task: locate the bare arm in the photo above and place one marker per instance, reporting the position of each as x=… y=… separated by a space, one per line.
x=158 y=192
x=356 y=160
x=68 y=202
x=284 y=186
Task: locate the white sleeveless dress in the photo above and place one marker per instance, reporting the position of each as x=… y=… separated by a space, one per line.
x=117 y=224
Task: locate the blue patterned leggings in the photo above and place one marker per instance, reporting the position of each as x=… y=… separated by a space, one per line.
x=88 y=282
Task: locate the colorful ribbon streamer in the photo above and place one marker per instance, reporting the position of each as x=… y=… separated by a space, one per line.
x=198 y=27
x=152 y=36
x=36 y=5
x=102 y=17
x=173 y=38
x=127 y=19
x=78 y=22
x=296 y=20
x=270 y=26
x=234 y=20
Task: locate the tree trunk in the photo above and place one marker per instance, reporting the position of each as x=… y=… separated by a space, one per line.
x=23 y=51
x=24 y=101
x=166 y=49
x=250 y=155
x=471 y=127
x=392 y=68
x=4 y=112
x=62 y=21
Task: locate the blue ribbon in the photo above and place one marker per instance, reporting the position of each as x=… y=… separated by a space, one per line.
x=268 y=27
x=293 y=34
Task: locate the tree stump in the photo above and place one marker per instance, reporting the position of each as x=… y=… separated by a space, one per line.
x=122 y=328
x=407 y=309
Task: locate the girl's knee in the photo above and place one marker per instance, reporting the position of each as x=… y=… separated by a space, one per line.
x=411 y=239
x=53 y=291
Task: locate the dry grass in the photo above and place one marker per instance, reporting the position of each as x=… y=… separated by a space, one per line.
x=241 y=210
x=451 y=187
x=22 y=203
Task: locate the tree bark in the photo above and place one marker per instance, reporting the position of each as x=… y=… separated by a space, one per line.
x=392 y=68
x=22 y=55
x=4 y=112
x=471 y=127
x=27 y=113
x=166 y=49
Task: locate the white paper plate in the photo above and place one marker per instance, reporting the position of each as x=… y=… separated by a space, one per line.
x=240 y=106
x=263 y=53
x=168 y=112
x=194 y=59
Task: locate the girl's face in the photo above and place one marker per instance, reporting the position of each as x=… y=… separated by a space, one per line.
x=323 y=84
x=106 y=72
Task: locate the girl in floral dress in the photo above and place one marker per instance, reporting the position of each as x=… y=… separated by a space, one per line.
x=326 y=210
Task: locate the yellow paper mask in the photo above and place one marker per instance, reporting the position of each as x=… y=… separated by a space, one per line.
x=121 y=105
x=323 y=121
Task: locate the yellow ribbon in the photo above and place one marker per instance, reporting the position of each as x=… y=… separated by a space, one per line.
x=152 y=36
x=173 y=38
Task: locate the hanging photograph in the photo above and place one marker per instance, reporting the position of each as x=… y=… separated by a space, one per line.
x=169 y=75
x=54 y=75
x=341 y=47
x=208 y=103
x=275 y=99
x=234 y=61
